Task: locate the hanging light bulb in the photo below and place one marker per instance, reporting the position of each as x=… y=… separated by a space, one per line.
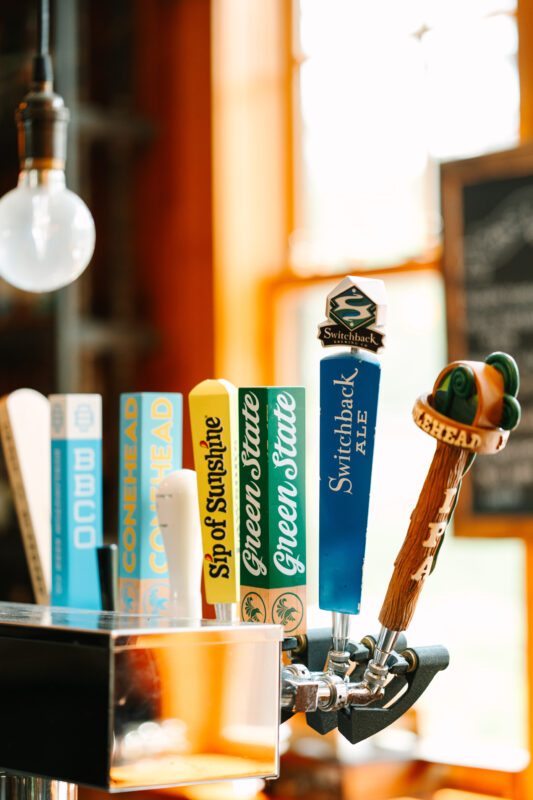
x=46 y=231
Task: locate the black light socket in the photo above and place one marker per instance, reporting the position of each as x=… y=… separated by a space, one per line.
x=42 y=71
x=42 y=120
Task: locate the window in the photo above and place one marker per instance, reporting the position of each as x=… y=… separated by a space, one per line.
x=385 y=90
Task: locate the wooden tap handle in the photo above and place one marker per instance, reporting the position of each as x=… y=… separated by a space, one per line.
x=428 y=523
x=471 y=410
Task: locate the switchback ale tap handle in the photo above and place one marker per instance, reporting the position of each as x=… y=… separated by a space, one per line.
x=349 y=390
x=471 y=410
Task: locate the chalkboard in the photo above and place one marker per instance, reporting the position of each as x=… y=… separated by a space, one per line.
x=487 y=207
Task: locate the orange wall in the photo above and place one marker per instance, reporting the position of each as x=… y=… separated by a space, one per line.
x=175 y=255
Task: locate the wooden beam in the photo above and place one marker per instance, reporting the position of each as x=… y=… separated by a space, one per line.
x=524 y=15
x=525 y=68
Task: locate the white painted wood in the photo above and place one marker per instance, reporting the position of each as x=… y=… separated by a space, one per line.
x=25 y=433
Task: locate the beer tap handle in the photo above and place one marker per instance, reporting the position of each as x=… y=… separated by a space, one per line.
x=213 y=412
x=472 y=409
x=272 y=506
x=349 y=389
x=179 y=521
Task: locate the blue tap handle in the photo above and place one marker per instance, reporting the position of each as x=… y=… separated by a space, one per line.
x=349 y=387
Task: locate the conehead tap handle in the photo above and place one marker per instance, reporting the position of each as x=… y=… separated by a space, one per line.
x=472 y=409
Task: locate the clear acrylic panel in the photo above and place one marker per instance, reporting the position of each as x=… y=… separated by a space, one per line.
x=127 y=702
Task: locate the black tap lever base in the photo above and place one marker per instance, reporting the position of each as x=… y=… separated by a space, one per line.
x=411 y=671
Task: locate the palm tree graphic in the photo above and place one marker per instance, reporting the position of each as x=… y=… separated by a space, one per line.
x=284 y=612
x=252 y=613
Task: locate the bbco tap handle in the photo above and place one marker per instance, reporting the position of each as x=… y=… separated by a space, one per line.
x=472 y=409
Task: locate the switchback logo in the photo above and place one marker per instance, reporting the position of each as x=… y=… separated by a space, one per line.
x=352 y=309
x=351 y=315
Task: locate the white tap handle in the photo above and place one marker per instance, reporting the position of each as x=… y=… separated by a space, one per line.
x=179 y=521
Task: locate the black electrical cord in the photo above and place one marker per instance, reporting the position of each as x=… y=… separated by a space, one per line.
x=43 y=28
x=42 y=63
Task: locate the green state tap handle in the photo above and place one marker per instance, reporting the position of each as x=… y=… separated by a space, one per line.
x=472 y=409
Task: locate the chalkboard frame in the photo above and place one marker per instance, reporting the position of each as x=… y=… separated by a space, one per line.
x=454 y=176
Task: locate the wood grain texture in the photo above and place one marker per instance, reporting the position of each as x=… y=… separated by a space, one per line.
x=415 y=557
x=23 y=450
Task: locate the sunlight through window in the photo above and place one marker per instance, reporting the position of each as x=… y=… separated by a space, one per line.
x=386 y=91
